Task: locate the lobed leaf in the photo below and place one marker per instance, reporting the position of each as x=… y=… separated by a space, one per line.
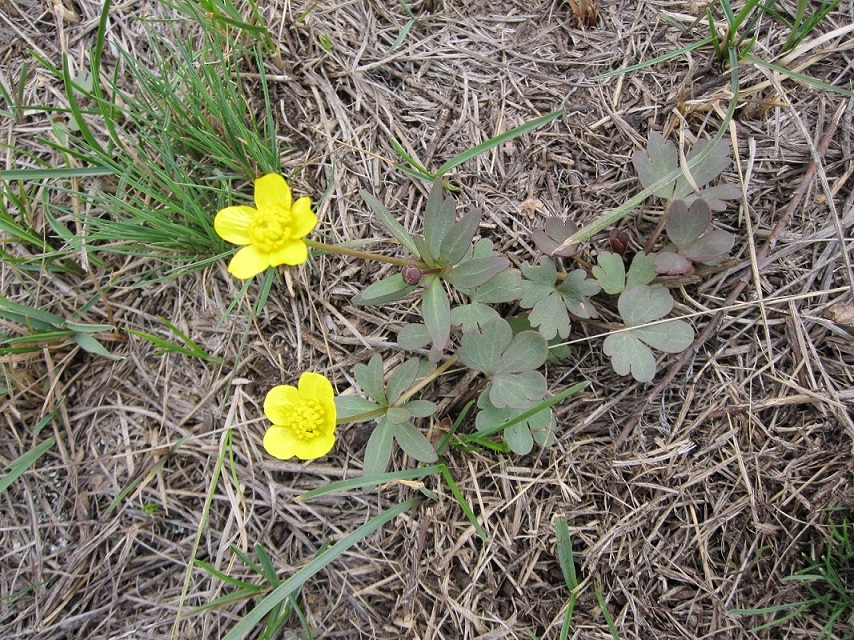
x=629 y=355
x=684 y=225
x=553 y=234
x=610 y=272
x=710 y=246
x=642 y=304
x=526 y=351
x=673 y=336
x=471 y=316
x=641 y=271
x=517 y=390
x=481 y=349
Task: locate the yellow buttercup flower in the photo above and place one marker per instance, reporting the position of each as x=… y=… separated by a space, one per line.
x=303 y=419
x=272 y=234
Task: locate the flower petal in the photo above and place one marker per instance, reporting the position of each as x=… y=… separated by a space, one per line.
x=304 y=219
x=315 y=386
x=279 y=402
x=232 y=224
x=280 y=442
x=315 y=448
x=272 y=191
x=292 y=253
x=248 y=262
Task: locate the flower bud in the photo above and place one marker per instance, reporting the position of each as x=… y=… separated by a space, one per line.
x=411 y=274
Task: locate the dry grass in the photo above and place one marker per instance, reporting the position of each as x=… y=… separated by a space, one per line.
x=720 y=484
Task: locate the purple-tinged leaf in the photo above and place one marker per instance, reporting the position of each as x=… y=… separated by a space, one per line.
x=709 y=246
x=684 y=224
x=553 y=234
x=668 y=263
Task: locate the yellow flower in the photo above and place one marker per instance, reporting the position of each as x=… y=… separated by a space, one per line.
x=303 y=419
x=272 y=234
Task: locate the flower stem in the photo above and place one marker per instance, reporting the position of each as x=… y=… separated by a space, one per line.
x=355 y=253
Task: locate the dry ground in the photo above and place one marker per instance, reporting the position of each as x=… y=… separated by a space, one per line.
x=705 y=505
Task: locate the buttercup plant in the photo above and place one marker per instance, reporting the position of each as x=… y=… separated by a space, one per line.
x=449 y=255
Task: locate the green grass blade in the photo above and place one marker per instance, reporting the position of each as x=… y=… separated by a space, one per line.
x=608 y=619
x=653 y=61
x=798 y=77
x=458 y=496
x=420 y=168
x=567 y=567
x=364 y=481
x=536 y=123
x=19 y=465
x=245 y=626
x=527 y=414
x=63 y=173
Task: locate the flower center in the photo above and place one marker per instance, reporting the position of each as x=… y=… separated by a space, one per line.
x=306 y=420
x=270 y=229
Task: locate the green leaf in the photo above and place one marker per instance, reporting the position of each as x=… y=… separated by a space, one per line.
x=424 y=251
x=549 y=316
x=519 y=438
x=684 y=224
x=576 y=290
x=497 y=141
x=420 y=408
x=517 y=390
x=388 y=221
x=386 y=290
x=641 y=271
x=370 y=377
x=477 y=272
x=414 y=443
x=91 y=345
x=526 y=351
x=642 y=304
x=629 y=355
x=610 y=272
x=673 y=336
x=503 y=287
x=471 y=316
x=557 y=350
x=401 y=379
x=413 y=336
x=439 y=216
x=350 y=406
x=378 y=449
x=397 y=415
x=544 y=272
x=457 y=240
x=436 y=309
x=481 y=349
x=19 y=465
x=301 y=576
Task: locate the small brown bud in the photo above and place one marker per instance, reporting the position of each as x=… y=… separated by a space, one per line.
x=411 y=274
x=619 y=241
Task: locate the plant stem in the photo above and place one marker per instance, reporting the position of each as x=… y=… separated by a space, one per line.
x=365 y=255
